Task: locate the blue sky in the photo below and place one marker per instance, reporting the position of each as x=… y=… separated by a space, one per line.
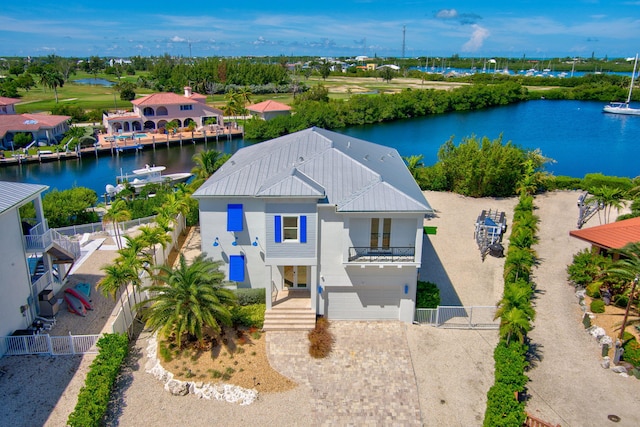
x=536 y=28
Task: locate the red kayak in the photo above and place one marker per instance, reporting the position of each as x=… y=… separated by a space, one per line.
x=80 y=296
x=74 y=304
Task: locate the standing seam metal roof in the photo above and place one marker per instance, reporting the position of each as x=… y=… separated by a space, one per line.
x=15 y=194
x=354 y=175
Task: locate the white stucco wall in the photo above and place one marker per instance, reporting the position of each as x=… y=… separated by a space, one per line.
x=15 y=280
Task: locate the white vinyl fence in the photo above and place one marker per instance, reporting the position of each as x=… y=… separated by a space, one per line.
x=470 y=317
x=46 y=344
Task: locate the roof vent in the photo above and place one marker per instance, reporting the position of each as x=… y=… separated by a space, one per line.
x=382 y=159
x=348 y=144
x=366 y=157
x=301 y=159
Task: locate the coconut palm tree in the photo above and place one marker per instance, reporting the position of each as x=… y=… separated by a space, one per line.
x=514 y=322
x=117 y=213
x=207 y=162
x=609 y=198
x=627 y=268
x=117 y=276
x=191 y=301
x=414 y=163
x=152 y=236
x=52 y=79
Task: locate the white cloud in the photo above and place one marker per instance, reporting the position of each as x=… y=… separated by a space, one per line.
x=477 y=39
x=177 y=39
x=447 y=14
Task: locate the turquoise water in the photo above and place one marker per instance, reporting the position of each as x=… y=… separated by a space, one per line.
x=576 y=134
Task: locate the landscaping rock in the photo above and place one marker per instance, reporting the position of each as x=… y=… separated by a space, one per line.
x=177 y=388
x=606 y=363
x=619 y=369
x=597 y=332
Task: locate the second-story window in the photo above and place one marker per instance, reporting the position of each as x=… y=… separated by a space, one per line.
x=291 y=229
x=186 y=107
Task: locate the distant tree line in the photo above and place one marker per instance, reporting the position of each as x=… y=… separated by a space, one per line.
x=316 y=109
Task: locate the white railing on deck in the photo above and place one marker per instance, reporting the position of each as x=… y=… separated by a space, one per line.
x=468 y=317
x=42 y=241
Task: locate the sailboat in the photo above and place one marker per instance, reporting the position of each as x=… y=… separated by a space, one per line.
x=623 y=107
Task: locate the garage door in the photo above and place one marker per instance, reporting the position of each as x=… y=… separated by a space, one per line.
x=364 y=304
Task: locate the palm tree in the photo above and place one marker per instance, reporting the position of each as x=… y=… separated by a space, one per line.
x=609 y=198
x=414 y=163
x=207 y=162
x=244 y=94
x=514 y=322
x=627 y=268
x=516 y=295
x=116 y=276
x=134 y=259
x=152 y=236
x=52 y=79
x=117 y=213
x=191 y=301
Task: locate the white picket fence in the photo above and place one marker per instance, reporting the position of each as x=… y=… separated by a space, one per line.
x=469 y=317
x=47 y=344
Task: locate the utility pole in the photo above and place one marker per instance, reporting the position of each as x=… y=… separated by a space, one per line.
x=404 y=30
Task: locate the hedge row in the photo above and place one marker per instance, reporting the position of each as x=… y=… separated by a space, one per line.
x=504 y=406
x=94 y=396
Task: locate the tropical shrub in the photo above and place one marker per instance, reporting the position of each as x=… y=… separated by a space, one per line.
x=562 y=183
x=427 y=295
x=597 y=306
x=503 y=409
x=593 y=180
x=320 y=339
x=620 y=301
x=631 y=352
x=248 y=296
x=22 y=139
x=248 y=315
x=593 y=290
x=587 y=267
x=94 y=396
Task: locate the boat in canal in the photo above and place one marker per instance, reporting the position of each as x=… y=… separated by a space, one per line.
x=138 y=178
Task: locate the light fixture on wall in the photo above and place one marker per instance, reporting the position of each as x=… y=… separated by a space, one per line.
x=235 y=242
x=406 y=289
x=255 y=242
x=216 y=242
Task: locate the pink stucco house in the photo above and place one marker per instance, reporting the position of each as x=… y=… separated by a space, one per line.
x=43 y=127
x=154 y=111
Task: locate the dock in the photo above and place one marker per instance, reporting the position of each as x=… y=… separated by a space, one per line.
x=110 y=145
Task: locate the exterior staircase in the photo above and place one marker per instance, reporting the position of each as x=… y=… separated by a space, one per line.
x=290 y=312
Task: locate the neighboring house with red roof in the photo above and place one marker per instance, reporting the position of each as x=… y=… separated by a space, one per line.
x=154 y=111
x=267 y=110
x=608 y=237
x=41 y=126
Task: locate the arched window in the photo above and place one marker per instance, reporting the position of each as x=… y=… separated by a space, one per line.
x=162 y=111
x=149 y=125
x=148 y=111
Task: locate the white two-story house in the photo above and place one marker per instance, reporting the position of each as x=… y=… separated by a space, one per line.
x=34 y=259
x=334 y=219
x=154 y=111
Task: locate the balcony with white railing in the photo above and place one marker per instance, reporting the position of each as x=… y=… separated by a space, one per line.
x=390 y=254
x=42 y=240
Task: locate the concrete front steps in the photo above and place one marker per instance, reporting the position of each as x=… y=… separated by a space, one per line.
x=289 y=319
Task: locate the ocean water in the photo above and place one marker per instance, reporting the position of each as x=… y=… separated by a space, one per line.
x=576 y=134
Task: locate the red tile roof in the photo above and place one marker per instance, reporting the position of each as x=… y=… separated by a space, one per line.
x=8 y=101
x=611 y=236
x=28 y=122
x=167 y=98
x=267 y=106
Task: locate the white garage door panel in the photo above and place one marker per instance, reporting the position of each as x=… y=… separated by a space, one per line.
x=366 y=304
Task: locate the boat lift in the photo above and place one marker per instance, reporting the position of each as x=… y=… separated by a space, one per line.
x=490 y=227
x=587 y=208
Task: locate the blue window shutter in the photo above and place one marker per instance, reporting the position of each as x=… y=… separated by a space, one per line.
x=234 y=217
x=236 y=268
x=303 y=229
x=278 y=228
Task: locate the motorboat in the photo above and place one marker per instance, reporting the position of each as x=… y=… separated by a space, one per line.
x=138 y=178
